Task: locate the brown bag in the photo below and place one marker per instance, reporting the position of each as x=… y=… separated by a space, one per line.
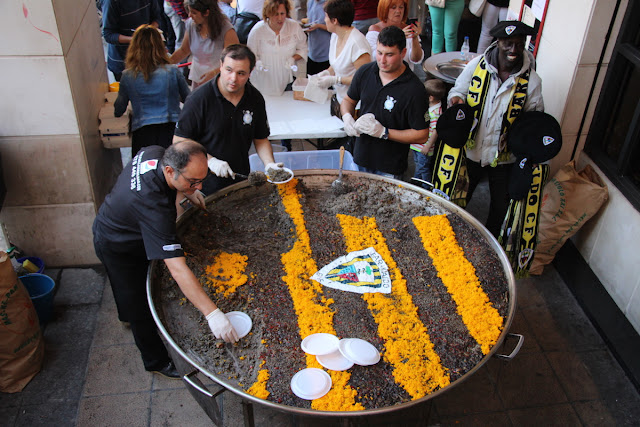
x=21 y=343
x=569 y=200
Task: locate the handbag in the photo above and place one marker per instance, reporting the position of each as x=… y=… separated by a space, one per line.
x=243 y=25
x=476 y=7
x=435 y=3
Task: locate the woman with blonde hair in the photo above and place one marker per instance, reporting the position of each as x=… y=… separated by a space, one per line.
x=394 y=13
x=208 y=32
x=278 y=42
x=154 y=87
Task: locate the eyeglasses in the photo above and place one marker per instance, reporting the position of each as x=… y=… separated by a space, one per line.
x=192 y=181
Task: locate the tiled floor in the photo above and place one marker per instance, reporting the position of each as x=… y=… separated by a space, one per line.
x=564 y=374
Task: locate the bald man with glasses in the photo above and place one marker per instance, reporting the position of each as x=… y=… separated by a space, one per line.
x=137 y=223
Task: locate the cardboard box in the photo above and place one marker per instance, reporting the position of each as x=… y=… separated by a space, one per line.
x=298 y=89
x=117 y=141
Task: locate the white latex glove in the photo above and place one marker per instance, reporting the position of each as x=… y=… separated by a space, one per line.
x=368 y=124
x=220 y=168
x=323 y=73
x=221 y=327
x=291 y=63
x=326 y=82
x=260 y=66
x=275 y=166
x=349 y=125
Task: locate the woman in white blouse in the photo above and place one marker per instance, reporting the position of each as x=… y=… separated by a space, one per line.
x=348 y=48
x=395 y=12
x=277 y=41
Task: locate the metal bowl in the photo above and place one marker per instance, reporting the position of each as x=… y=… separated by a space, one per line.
x=323 y=179
x=451 y=69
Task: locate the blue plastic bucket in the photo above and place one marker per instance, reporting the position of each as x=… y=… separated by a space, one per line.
x=34 y=259
x=40 y=288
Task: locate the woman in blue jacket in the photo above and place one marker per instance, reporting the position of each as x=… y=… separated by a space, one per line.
x=154 y=87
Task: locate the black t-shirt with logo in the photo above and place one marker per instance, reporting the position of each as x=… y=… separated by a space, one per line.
x=141 y=209
x=401 y=104
x=227 y=131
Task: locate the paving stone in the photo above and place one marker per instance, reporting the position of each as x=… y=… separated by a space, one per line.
x=176 y=408
x=129 y=409
x=520 y=326
x=71 y=327
x=110 y=330
x=573 y=375
x=80 y=286
x=494 y=419
x=477 y=394
x=47 y=414
x=115 y=370
x=61 y=377
x=527 y=381
x=594 y=414
x=556 y=415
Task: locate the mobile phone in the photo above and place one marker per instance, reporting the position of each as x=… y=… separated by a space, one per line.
x=412 y=21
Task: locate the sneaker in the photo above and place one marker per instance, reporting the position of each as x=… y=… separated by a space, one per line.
x=168 y=371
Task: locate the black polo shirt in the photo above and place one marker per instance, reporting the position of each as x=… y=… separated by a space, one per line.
x=140 y=210
x=227 y=131
x=401 y=104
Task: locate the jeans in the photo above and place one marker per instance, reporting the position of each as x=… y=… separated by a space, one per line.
x=444 y=26
x=423 y=167
x=380 y=173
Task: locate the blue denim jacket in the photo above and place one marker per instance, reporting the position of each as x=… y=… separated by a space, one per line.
x=155 y=101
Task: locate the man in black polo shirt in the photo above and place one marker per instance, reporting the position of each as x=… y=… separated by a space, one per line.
x=393 y=112
x=137 y=223
x=226 y=115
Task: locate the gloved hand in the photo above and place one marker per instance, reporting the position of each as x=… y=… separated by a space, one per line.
x=260 y=66
x=221 y=327
x=274 y=166
x=326 y=82
x=220 y=168
x=349 y=123
x=323 y=73
x=368 y=124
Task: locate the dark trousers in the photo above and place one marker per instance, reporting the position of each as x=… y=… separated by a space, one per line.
x=498 y=190
x=159 y=134
x=127 y=271
x=314 y=67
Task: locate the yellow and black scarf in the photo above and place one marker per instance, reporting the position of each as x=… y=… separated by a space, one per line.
x=477 y=97
x=519 y=233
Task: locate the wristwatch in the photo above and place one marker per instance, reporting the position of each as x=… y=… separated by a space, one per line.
x=385 y=135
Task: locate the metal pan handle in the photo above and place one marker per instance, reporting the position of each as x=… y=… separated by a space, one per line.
x=515 y=351
x=197 y=384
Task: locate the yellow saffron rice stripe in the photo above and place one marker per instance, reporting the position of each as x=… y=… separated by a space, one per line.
x=416 y=365
x=259 y=388
x=226 y=273
x=459 y=276
x=312 y=309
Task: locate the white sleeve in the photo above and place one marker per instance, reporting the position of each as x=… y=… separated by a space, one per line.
x=372 y=38
x=301 y=42
x=359 y=48
x=461 y=87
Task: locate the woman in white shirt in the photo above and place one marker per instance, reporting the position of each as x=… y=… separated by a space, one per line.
x=395 y=12
x=208 y=32
x=348 y=48
x=277 y=41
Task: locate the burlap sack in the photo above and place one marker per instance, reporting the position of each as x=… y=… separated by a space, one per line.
x=21 y=343
x=570 y=199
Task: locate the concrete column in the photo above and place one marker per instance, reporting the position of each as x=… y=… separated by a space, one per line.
x=54 y=77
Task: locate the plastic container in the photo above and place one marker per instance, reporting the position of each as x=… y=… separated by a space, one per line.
x=465 y=49
x=114 y=87
x=40 y=288
x=299 y=85
x=35 y=260
x=296 y=160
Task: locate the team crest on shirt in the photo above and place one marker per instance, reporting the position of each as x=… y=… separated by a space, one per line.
x=148 y=166
x=389 y=103
x=247 y=117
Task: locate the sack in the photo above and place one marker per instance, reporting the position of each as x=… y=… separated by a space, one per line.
x=243 y=25
x=476 y=7
x=335 y=107
x=21 y=343
x=569 y=200
x=435 y=3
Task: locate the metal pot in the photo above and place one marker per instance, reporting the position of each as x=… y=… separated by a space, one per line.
x=190 y=367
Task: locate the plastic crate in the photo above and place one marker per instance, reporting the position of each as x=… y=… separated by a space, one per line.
x=294 y=160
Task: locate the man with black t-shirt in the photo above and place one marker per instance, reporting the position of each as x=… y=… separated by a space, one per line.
x=226 y=115
x=393 y=112
x=137 y=223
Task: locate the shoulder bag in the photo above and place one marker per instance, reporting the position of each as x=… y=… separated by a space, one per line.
x=476 y=7
x=435 y=3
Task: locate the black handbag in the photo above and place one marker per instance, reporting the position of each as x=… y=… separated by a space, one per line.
x=243 y=25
